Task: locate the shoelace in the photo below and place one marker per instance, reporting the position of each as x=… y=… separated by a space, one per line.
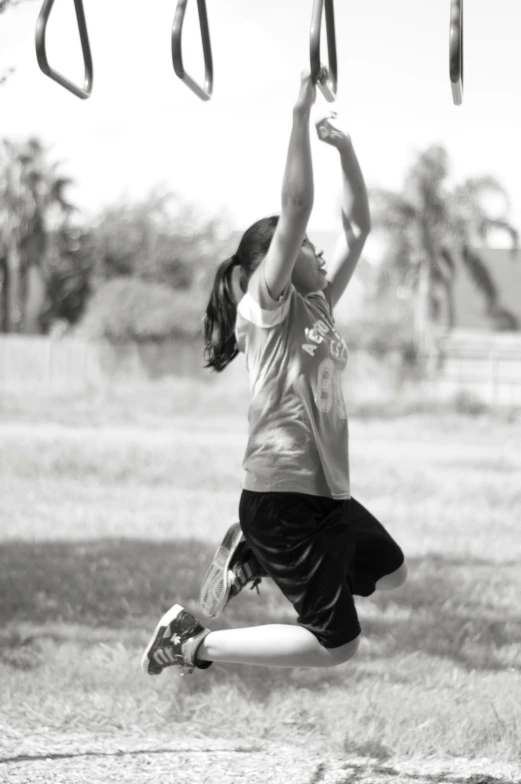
x=188 y=668
x=255 y=584
x=240 y=580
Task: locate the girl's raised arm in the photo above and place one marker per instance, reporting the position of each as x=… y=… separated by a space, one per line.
x=297 y=201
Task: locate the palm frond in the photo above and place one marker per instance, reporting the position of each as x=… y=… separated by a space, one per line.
x=504 y=320
x=480 y=276
x=432 y=165
x=478 y=187
x=450 y=264
x=506 y=227
x=390 y=211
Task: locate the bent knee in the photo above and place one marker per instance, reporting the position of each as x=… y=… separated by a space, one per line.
x=344 y=652
x=400 y=575
x=393 y=580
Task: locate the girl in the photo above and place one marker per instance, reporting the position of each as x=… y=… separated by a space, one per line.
x=301 y=526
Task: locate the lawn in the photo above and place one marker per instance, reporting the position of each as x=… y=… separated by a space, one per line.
x=112 y=503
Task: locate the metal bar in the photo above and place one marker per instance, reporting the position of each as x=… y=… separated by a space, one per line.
x=41 y=53
x=326 y=78
x=205 y=92
x=456 y=51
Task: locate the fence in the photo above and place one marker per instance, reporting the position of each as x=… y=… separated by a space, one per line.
x=67 y=361
x=488 y=366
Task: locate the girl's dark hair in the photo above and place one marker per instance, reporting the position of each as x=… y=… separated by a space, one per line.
x=220 y=345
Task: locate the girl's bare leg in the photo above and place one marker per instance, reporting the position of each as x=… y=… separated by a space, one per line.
x=273 y=645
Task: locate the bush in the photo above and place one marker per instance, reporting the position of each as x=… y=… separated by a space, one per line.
x=159 y=238
x=466 y=402
x=379 y=337
x=127 y=309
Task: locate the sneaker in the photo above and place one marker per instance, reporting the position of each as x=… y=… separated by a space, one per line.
x=233 y=566
x=175 y=641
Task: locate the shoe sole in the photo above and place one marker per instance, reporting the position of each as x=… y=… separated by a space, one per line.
x=165 y=621
x=216 y=588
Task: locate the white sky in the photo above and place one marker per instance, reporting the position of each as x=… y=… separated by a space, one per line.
x=143 y=126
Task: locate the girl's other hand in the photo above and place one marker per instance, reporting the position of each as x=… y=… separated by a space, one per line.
x=330 y=132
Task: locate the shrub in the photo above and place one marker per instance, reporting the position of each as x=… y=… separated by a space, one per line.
x=466 y=402
x=379 y=336
x=127 y=309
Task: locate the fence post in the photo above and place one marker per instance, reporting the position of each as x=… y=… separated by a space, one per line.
x=48 y=360
x=493 y=368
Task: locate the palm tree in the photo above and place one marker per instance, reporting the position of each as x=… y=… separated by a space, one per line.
x=5 y=5
x=32 y=205
x=431 y=231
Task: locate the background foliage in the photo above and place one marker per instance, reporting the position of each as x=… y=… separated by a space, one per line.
x=142 y=269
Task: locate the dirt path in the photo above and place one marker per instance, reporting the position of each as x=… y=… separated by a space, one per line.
x=82 y=758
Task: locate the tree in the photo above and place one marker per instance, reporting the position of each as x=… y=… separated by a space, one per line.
x=33 y=204
x=153 y=263
x=5 y=5
x=69 y=268
x=132 y=310
x=431 y=231
x=159 y=239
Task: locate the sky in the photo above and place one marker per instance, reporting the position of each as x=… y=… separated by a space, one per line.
x=143 y=127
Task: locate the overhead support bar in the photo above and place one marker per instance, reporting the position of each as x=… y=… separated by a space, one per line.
x=456 y=51
x=326 y=78
x=41 y=52
x=205 y=92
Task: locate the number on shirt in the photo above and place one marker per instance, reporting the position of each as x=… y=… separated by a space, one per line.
x=340 y=405
x=325 y=385
x=329 y=388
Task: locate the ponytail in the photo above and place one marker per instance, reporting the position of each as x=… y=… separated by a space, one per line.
x=220 y=344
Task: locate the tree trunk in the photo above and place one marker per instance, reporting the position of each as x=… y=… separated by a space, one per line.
x=4 y=286
x=13 y=310
x=451 y=308
x=34 y=300
x=24 y=287
x=422 y=315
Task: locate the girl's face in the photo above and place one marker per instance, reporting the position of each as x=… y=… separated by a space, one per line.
x=309 y=272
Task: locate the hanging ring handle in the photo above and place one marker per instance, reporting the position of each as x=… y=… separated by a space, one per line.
x=456 y=51
x=41 y=53
x=325 y=78
x=205 y=92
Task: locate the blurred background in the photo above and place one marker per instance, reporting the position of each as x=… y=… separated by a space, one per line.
x=133 y=197
x=120 y=455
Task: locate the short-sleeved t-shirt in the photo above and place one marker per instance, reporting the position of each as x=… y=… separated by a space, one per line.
x=298 y=432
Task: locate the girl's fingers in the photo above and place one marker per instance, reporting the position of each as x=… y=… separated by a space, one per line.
x=324 y=115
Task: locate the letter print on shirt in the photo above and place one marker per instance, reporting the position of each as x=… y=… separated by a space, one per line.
x=329 y=393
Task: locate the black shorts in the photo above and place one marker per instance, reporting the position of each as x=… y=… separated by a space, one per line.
x=319 y=551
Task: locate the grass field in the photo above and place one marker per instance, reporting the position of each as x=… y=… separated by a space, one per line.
x=112 y=504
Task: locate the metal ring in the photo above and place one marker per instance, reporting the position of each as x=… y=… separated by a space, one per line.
x=205 y=92
x=325 y=78
x=41 y=53
x=456 y=51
